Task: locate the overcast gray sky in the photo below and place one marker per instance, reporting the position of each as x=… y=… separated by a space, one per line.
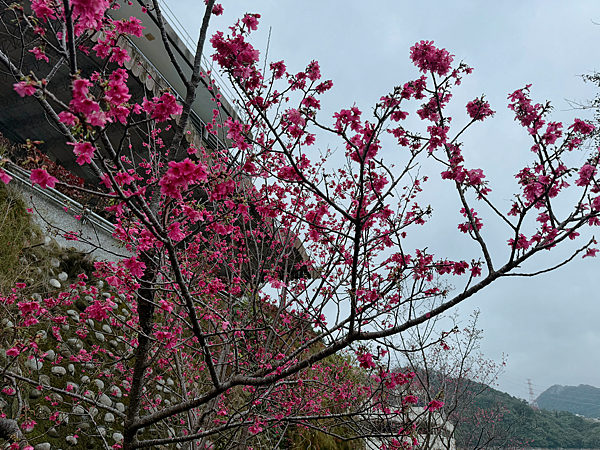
x=548 y=326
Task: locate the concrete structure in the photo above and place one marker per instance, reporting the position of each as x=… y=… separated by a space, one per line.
x=23 y=118
x=433 y=431
x=55 y=213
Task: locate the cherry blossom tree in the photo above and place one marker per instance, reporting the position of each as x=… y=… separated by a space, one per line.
x=263 y=283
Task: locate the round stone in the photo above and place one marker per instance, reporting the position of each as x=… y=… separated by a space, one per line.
x=59 y=371
x=71 y=369
x=43 y=446
x=105 y=400
x=63 y=276
x=106 y=329
x=43 y=412
x=117 y=437
x=79 y=410
x=120 y=407
x=108 y=417
x=54 y=283
x=55 y=262
x=50 y=355
x=99 y=336
x=115 y=391
x=64 y=351
x=72 y=440
x=99 y=384
x=41 y=335
x=85 y=379
x=34 y=364
x=53 y=433
x=34 y=393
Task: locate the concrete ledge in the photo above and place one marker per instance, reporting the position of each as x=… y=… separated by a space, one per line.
x=55 y=213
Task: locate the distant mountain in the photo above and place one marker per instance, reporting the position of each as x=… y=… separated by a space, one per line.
x=533 y=428
x=582 y=399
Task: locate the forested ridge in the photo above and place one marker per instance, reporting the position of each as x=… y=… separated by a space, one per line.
x=538 y=428
x=583 y=399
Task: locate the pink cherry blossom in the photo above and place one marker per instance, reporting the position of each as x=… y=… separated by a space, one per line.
x=68 y=118
x=479 y=109
x=4 y=177
x=39 y=54
x=162 y=108
x=251 y=21
x=434 y=404
x=579 y=126
x=42 y=9
x=24 y=88
x=84 y=152
x=43 y=178
x=13 y=352
x=89 y=12
x=431 y=59
x=586 y=173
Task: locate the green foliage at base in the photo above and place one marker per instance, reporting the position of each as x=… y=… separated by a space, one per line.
x=19 y=237
x=301 y=438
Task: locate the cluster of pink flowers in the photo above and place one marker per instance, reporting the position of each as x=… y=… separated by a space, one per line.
x=429 y=58
x=90 y=14
x=42 y=9
x=43 y=178
x=180 y=175
x=132 y=27
x=479 y=109
x=161 y=108
x=26 y=87
x=528 y=114
x=235 y=53
x=586 y=173
x=84 y=152
x=467 y=226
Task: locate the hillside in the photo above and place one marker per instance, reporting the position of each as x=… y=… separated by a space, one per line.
x=582 y=399
x=521 y=425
